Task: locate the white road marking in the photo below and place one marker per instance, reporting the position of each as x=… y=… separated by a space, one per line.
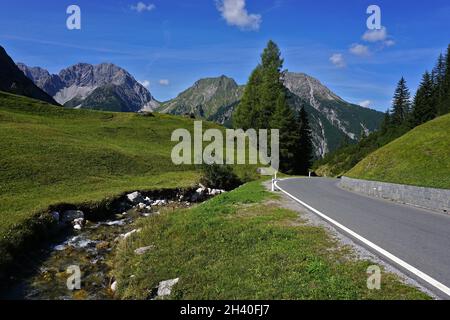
x=431 y=281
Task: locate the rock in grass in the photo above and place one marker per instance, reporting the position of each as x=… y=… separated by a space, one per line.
x=71 y=215
x=165 y=287
x=135 y=197
x=114 y=286
x=141 y=251
x=127 y=235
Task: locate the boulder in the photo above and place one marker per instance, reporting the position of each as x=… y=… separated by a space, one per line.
x=78 y=223
x=114 y=286
x=141 y=251
x=165 y=287
x=135 y=197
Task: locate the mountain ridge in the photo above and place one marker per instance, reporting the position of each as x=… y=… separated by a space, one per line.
x=111 y=88
x=74 y=85
x=12 y=80
x=333 y=120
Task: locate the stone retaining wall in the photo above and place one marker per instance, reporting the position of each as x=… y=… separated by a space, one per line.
x=429 y=198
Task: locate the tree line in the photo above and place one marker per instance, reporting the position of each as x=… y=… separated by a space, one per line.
x=264 y=105
x=431 y=100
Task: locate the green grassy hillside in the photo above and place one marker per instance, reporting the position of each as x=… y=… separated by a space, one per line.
x=51 y=155
x=245 y=245
x=421 y=157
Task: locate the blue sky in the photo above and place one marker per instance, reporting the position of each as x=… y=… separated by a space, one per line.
x=170 y=44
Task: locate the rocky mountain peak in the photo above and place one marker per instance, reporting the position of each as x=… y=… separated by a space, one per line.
x=309 y=88
x=84 y=83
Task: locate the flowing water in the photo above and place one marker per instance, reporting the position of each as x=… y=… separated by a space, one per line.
x=90 y=249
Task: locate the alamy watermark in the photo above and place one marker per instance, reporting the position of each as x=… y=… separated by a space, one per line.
x=374 y=20
x=74 y=280
x=374 y=279
x=73 y=22
x=237 y=147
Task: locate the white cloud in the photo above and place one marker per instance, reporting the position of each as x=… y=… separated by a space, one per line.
x=380 y=35
x=338 y=60
x=375 y=35
x=235 y=14
x=164 y=82
x=365 y=103
x=359 y=49
x=389 y=43
x=141 y=7
x=145 y=83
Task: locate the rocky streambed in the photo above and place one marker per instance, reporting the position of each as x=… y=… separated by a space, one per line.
x=84 y=248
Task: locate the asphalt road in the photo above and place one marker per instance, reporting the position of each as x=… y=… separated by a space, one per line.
x=419 y=237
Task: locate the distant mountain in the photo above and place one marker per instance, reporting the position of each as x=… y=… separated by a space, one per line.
x=205 y=98
x=101 y=87
x=333 y=120
x=14 y=81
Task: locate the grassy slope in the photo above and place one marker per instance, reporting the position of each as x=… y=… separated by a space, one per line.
x=50 y=155
x=421 y=158
x=238 y=246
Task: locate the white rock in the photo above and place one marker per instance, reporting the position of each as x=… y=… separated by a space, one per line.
x=135 y=197
x=77 y=227
x=128 y=234
x=115 y=223
x=60 y=247
x=71 y=215
x=114 y=286
x=141 y=251
x=141 y=206
x=200 y=190
x=79 y=221
x=165 y=287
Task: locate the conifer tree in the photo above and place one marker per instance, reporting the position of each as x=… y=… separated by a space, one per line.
x=305 y=149
x=444 y=99
x=246 y=114
x=424 y=108
x=401 y=106
x=262 y=91
x=285 y=120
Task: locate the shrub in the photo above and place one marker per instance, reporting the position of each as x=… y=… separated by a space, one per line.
x=219 y=177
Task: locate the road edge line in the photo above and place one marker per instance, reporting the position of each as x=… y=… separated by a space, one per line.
x=431 y=281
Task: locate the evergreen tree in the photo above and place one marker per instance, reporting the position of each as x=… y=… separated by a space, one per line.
x=401 y=107
x=386 y=124
x=272 y=85
x=285 y=120
x=246 y=114
x=438 y=76
x=262 y=91
x=444 y=98
x=424 y=108
x=305 y=150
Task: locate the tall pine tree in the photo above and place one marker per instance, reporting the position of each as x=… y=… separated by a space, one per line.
x=246 y=114
x=305 y=150
x=262 y=92
x=285 y=120
x=425 y=108
x=444 y=99
x=401 y=106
